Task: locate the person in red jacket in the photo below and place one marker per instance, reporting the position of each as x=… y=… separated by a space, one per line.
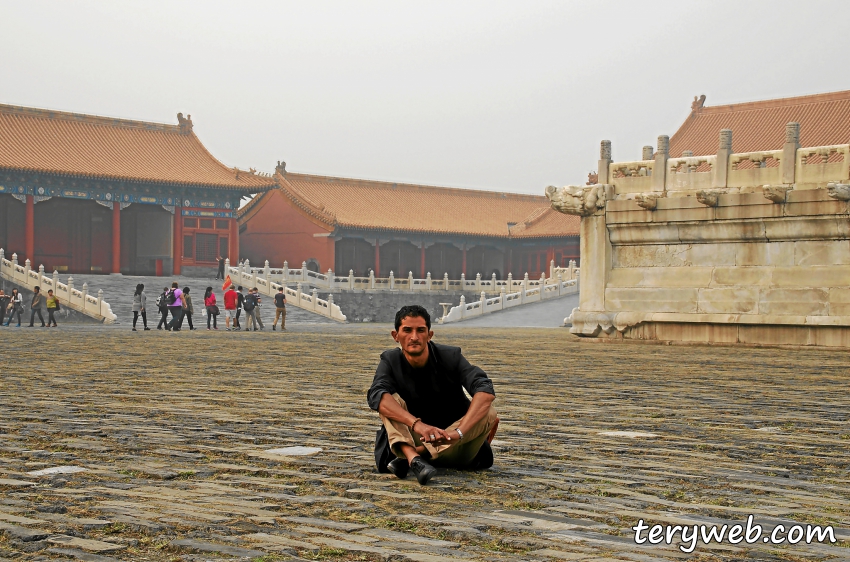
x=231 y=298
x=212 y=308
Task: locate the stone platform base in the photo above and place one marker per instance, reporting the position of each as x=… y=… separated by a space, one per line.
x=825 y=336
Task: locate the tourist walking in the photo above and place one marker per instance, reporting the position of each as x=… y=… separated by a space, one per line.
x=162 y=305
x=252 y=310
x=176 y=302
x=35 y=307
x=220 y=273
x=52 y=308
x=4 y=305
x=240 y=305
x=231 y=302
x=212 y=308
x=280 y=309
x=188 y=310
x=15 y=306
x=139 y=305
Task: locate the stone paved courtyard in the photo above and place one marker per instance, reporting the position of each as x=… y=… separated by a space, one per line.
x=172 y=431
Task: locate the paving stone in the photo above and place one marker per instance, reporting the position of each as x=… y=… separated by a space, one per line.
x=81 y=555
x=348 y=527
x=22 y=533
x=85 y=544
x=200 y=546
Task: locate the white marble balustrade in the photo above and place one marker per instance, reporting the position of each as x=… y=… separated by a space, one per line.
x=74 y=299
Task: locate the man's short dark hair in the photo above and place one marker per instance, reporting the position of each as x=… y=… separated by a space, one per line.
x=414 y=311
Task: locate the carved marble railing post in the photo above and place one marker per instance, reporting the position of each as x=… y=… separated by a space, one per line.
x=572 y=269
x=70 y=287
x=298 y=294
x=646 y=153
x=525 y=281
x=15 y=259
x=41 y=276
x=542 y=284
x=603 y=168
x=371 y=278
x=55 y=281
x=267 y=274
x=510 y=282
x=483 y=302
x=559 y=280
x=446 y=281
x=85 y=293
x=331 y=276
x=392 y=280
x=493 y=282
x=478 y=282
x=502 y=294
x=789 y=153
x=285 y=271
x=659 y=170
x=720 y=173
x=462 y=306
x=409 y=280
x=304 y=272
x=428 y=281
x=315 y=297
x=350 y=278
x=2 y=257
x=99 y=301
x=226 y=267
x=330 y=305
x=27 y=267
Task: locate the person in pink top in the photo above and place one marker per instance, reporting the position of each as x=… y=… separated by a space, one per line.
x=212 y=308
x=176 y=303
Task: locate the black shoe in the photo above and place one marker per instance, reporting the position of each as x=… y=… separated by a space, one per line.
x=398 y=467
x=484 y=459
x=134 y=329
x=147 y=328
x=274 y=328
x=422 y=470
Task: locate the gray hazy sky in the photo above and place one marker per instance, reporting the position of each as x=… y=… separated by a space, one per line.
x=508 y=96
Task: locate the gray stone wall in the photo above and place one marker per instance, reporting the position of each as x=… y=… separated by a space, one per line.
x=361 y=306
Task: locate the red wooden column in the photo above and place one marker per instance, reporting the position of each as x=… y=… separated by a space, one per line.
x=233 y=242
x=377 y=258
x=422 y=261
x=29 y=231
x=463 y=269
x=116 y=237
x=178 y=241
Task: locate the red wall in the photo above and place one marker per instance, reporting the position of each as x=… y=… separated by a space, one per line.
x=279 y=232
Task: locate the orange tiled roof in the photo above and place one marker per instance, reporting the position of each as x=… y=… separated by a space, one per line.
x=372 y=205
x=824 y=120
x=74 y=144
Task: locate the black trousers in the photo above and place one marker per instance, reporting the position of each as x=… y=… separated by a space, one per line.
x=188 y=316
x=32 y=316
x=236 y=323
x=50 y=318
x=220 y=273
x=176 y=318
x=144 y=315
x=164 y=320
x=2 y=314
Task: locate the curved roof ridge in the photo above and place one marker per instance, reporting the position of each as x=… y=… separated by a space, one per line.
x=41 y=113
x=776 y=102
x=396 y=186
x=305 y=203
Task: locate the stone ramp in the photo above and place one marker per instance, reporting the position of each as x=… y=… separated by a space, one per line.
x=547 y=314
x=118 y=292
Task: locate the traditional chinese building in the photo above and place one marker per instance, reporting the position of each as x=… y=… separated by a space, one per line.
x=348 y=224
x=82 y=193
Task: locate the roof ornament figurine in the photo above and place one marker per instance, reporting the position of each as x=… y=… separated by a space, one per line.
x=592 y=178
x=281 y=167
x=698 y=103
x=185 y=123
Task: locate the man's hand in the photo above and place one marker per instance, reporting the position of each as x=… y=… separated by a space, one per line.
x=431 y=434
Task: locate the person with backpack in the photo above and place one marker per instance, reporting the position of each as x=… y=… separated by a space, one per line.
x=52 y=308
x=35 y=307
x=15 y=306
x=252 y=310
x=139 y=304
x=188 y=310
x=162 y=305
x=176 y=302
x=212 y=308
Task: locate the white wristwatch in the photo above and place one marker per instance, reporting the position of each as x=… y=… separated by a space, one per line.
x=459 y=432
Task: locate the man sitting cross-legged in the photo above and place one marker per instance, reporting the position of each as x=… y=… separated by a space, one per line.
x=419 y=392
